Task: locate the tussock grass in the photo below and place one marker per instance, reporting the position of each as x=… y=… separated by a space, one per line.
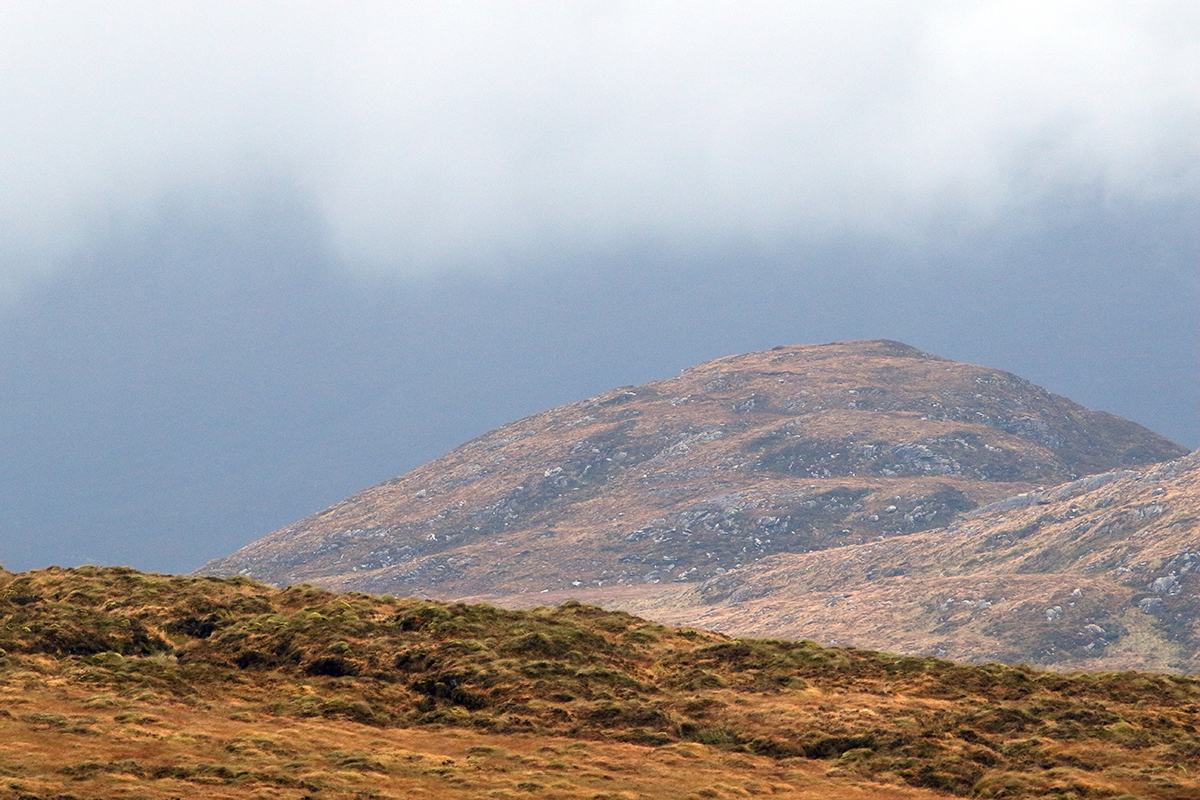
x=181 y=686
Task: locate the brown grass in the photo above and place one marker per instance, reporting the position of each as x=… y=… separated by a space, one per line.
x=119 y=684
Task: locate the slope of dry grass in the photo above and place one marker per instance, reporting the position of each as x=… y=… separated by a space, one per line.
x=120 y=684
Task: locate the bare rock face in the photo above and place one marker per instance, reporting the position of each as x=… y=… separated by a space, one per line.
x=685 y=483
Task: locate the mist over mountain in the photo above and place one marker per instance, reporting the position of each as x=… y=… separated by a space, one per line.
x=210 y=373
x=255 y=258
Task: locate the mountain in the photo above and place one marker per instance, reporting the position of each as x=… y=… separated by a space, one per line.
x=119 y=684
x=789 y=450
x=678 y=498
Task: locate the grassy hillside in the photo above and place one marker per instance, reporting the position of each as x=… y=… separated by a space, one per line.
x=115 y=683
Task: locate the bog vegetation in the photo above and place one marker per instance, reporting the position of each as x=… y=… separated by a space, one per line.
x=117 y=683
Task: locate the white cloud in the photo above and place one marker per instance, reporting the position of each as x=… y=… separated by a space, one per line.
x=464 y=135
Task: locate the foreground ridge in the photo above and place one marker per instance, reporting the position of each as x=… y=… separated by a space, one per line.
x=110 y=677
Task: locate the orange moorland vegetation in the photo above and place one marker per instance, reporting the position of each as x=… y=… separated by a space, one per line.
x=115 y=683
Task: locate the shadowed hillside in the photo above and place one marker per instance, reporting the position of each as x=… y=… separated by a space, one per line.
x=119 y=684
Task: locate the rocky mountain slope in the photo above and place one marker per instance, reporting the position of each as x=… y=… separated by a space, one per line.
x=1099 y=573
x=118 y=684
x=679 y=482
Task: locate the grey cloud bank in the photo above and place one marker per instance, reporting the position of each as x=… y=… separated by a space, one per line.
x=467 y=136
x=257 y=256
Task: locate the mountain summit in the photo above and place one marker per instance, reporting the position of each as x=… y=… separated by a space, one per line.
x=788 y=451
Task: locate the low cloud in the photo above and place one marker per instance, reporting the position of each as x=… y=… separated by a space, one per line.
x=466 y=136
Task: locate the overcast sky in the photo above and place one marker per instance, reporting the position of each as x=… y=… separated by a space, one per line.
x=256 y=256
